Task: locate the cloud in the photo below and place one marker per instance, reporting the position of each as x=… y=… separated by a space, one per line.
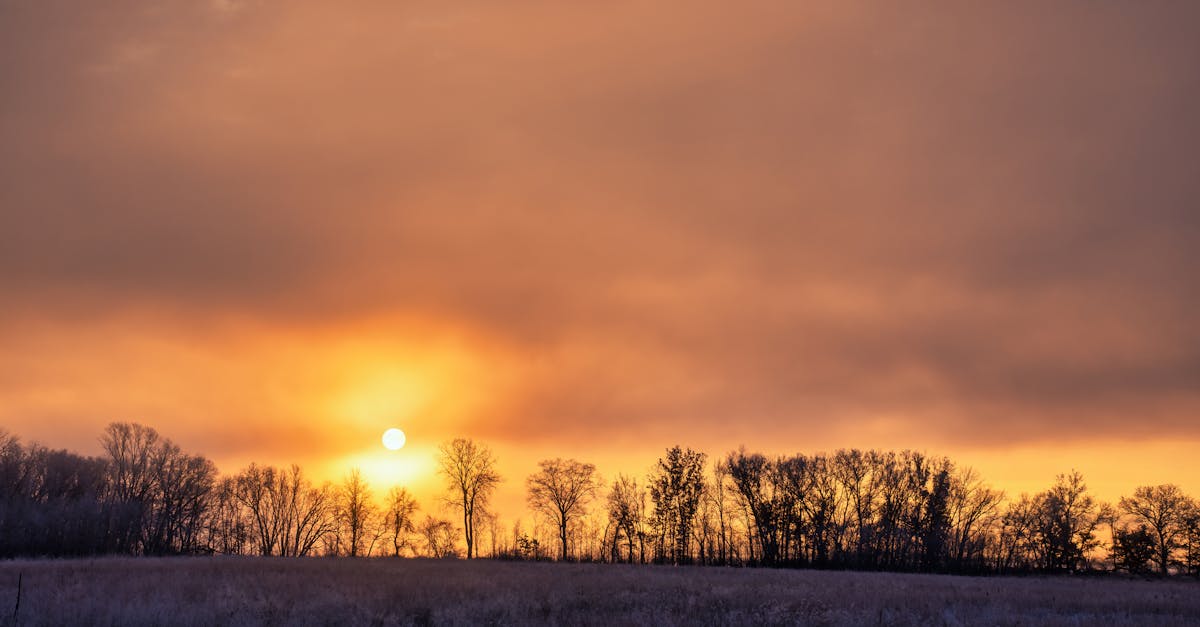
x=841 y=222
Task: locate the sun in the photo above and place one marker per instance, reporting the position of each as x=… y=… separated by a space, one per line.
x=393 y=439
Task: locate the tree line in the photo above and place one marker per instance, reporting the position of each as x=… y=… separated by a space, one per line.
x=852 y=509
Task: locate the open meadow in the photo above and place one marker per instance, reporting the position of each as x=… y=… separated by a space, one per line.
x=281 y=591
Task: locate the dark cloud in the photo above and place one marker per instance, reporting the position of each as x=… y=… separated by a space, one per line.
x=977 y=219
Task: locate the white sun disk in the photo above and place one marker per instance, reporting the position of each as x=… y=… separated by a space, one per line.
x=393 y=439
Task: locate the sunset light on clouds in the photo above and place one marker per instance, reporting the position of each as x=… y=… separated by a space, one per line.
x=595 y=230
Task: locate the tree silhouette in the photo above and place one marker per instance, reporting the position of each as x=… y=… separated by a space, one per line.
x=471 y=477
x=1191 y=542
x=1133 y=549
x=356 y=513
x=131 y=450
x=853 y=470
x=627 y=512
x=401 y=507
x=560 y=490
x=934 y=525
x=1164 y=510
x=159 y=492
x=848 y=509
x=438 y=535
x=718 y=498
x=676 y=487
x=1068 y=523
x=972 y=506
x=755 y=479
x=281 y=510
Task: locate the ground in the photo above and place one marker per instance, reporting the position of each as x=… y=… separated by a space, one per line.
x=321 y=591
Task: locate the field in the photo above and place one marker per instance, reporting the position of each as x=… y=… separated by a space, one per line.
x=279 y=591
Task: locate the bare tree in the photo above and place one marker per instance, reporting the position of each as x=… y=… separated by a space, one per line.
x=471 y=477
x=280 y=510
x=1068 y=521
x=181 y=499
x=228 y=531
x=314 y=509
x=256 y=492
x=752 y=477
x=131 y=450
x=853 y=469
x=1191 y=542
x=159 y=493
x=1164 y=510
x=627 y=511
x=971 y=504
x=400 y=524
x=488 y=533
x=718 y=497
x=438 y=535
x=12 y=466
x=561 y=490
x=356 y=514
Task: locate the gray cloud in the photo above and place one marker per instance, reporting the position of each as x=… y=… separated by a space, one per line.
x=976 y=216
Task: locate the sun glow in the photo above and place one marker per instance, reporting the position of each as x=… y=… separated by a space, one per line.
x=413 y=468
x=394 y=439
x=386 y=392
x=415 y=374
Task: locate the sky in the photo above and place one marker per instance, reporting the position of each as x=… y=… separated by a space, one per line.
x=272 y=230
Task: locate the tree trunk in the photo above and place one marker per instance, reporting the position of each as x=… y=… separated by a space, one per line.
x=467 y=531
x=562 y=536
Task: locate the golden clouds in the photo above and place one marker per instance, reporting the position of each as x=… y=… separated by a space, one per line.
x=270 y=229
x=242 y=392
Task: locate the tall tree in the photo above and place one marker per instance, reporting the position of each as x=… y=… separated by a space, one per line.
x=852 y=468
x=356 y=514
x=561 y=489
x=400 y=524
x=1191 y=542
x=471 y=478
x=1068 y=521
x=1164 y=510
x=181 y=499
x=753 y=477
x=131 y=449
x=1017 y=542
x=158 y=492
x=12 y=456
x=256 y=491
x=312 y=513
x=228 y=529
x=280 y=511
x=676 y=487
x=717 y=496
x=627 y=511
x=972 y=505
x=933 y=523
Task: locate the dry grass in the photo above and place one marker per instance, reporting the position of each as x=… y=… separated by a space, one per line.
x=281 y=591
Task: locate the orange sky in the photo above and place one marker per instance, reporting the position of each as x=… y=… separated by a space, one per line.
x=272 y=230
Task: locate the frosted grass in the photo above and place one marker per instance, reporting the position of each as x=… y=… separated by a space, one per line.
x=335 y=591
